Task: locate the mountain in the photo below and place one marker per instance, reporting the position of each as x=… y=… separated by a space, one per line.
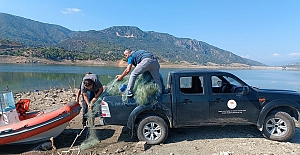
x=296 y=64
x=167 y=47
x=30 y=32
x=111 y=42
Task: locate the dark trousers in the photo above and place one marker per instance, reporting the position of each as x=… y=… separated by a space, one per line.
x=85 y=108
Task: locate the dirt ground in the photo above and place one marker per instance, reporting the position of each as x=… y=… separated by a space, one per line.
x=211 y=140
x=201 y=140
x=227 y=140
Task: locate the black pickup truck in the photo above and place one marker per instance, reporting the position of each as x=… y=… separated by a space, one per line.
x=203 y=98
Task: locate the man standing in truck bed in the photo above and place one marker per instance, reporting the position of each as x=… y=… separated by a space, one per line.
x=143 y=61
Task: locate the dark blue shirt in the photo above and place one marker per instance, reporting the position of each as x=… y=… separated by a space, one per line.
x=137 y=56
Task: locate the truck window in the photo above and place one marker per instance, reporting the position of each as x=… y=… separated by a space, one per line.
x=191 y=84
x=225 y=84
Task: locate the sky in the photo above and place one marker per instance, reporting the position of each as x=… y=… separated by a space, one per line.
x=267 y=31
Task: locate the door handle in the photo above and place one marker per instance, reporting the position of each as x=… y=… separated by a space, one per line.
x=218 y=100
x=187 y=101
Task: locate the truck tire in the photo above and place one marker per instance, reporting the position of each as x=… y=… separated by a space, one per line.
x=279 y=126
x=153 y=130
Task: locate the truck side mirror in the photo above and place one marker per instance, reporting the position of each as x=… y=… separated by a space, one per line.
x=219 y=83
x=246 y=90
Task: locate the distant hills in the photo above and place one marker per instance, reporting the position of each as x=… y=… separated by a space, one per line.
x=30 y=32
x=109 y=44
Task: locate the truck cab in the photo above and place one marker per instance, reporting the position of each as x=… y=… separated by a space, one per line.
x=210 y=97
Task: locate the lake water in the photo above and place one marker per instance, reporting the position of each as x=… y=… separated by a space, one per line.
x=30 y=77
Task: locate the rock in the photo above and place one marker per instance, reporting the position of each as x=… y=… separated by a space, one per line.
x=120 y=150
x=226 y=153
x=44 y=146
x=141 y=145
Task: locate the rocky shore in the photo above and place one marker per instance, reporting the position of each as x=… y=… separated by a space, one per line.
x=45 y=99
x=211 y=140
x=183 y=64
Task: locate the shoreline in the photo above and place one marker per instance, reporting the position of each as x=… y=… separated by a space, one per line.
x=30 y=60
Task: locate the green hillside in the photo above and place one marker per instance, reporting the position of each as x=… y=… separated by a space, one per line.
x=109 y=44
x=30 y=32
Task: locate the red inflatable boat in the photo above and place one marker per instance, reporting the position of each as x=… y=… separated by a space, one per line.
x=20 y=127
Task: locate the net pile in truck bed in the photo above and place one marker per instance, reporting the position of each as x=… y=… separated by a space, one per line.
x=145 y=91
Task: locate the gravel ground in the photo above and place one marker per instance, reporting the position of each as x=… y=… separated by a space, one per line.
x=211 y=140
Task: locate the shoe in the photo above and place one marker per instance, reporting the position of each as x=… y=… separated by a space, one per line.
x=101 y=121
x=129 y=94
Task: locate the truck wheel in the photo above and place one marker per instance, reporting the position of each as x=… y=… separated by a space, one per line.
x=153 y=130
x=279 y=126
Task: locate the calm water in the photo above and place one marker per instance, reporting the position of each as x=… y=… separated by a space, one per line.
x=29 y=77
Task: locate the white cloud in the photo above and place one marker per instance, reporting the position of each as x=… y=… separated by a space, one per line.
x=70 y=10
x=293 y=54
x=275 y=55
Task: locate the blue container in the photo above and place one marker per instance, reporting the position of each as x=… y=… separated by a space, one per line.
x=123 y=87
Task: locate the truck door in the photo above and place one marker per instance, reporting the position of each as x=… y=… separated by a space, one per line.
x=227 y=103
x=192 y=104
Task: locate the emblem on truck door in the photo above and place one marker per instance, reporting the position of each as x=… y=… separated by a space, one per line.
x=231 y=104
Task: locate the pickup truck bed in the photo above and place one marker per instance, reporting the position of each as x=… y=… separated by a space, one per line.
x=121 y=110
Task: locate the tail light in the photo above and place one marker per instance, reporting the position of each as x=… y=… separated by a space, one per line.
x=105 y=109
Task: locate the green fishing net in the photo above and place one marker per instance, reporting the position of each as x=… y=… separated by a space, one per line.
x=145 y=91
x=92 y=139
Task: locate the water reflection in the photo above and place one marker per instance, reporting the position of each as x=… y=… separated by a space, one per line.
x=20 y=81
x=29 y=77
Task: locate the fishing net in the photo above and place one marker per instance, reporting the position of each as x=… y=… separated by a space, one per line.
x=145 y=91
x=92 y=139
